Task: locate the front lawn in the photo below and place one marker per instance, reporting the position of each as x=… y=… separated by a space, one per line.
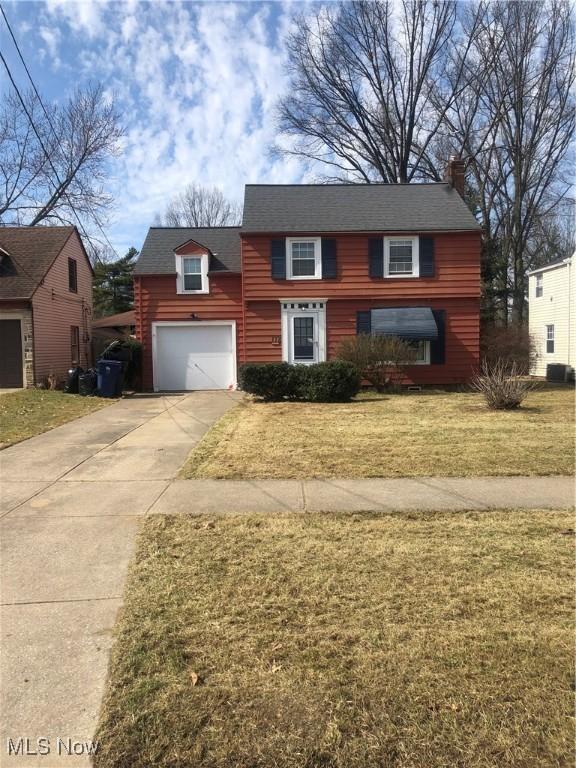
x=408 y=435
x=30 y=412
x=345 y=641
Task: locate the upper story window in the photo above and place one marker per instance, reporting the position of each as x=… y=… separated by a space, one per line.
x=73 y=275
x=539 y=285
x=304 y=258
x=550 y=339
x=192 y=274
x=401 y=257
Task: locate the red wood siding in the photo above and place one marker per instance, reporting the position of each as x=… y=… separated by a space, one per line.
x=263 y=323
x=457 y=262
x=156 y=300
x=55 y=309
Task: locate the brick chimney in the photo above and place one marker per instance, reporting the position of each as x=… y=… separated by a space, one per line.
x=455 y=174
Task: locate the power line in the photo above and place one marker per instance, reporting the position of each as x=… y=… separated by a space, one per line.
x=92 y=212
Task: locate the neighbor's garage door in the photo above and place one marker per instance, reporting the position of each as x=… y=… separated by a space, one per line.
x=194 y=357
x=10 y=353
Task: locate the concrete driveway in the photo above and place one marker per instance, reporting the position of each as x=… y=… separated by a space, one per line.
x=70 y=505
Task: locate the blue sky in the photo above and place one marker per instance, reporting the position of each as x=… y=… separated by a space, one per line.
x=196 y=84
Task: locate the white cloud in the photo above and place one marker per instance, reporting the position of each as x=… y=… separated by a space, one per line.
x=197 y=85
x=51 y=38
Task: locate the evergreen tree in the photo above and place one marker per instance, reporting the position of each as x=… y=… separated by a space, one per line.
x=113 y=289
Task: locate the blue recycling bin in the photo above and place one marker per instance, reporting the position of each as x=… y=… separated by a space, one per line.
x=109 y=378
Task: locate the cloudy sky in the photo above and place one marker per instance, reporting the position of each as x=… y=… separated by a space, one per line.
x=196 y=83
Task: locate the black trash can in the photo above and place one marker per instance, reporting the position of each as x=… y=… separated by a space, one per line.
x=87 y=383
x=71 y=386
x=109 y=378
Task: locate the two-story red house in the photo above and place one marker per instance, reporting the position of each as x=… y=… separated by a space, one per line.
x=45 y=304
x=310 y=265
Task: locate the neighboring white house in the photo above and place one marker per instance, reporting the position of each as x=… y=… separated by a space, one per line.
x=552 y=314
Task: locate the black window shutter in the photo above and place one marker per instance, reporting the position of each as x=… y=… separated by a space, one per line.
x=329 y=265
x=438 y=346
x=426 y=257
x=376 y=256
x=278 y=259
x=363 y=322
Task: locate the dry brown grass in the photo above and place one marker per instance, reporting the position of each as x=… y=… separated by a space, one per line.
x=33 y=411
x=414 y=434
x=338 y=641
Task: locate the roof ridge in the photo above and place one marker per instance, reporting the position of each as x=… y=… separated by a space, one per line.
x=223 y=226
x=356 y=184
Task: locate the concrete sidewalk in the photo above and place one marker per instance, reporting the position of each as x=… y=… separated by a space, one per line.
x=71 y=501
x=422 y=493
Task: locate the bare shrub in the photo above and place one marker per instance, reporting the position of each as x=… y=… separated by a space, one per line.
x=511 y=345
x=381 y=360
x=502 y=385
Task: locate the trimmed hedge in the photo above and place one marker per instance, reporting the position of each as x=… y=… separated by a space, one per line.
x=331 y=382
x=336 y=381
x=270 y=381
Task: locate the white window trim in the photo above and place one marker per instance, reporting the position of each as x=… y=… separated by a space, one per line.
x=539 y=285
x=289 y=310
x=415 y=258
x=204 y=257
x=426 y=360
x=317 y=258
x=546 y=339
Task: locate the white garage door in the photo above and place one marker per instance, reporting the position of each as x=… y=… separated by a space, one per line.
x=193 y=357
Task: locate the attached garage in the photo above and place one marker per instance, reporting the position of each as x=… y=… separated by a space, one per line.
x=11 y=358
x=195 y=355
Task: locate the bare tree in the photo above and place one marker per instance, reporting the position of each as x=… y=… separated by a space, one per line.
x=369 y=90
x=385 y=91
x=199 y=206
x=55 y=161
x=515 y=121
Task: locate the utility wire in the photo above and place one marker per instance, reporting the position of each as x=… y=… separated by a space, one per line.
x=48 y=118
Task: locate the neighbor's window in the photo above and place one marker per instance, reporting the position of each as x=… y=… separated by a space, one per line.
x=401 y=257
x=72 y=275
x=192 y=274
x=304 y=259
x=539 y=285
x=549 y=339
x=75 y=344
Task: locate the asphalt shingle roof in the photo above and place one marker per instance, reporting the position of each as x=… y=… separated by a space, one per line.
x=31 y=252
x=354 y=208
x=157 y=254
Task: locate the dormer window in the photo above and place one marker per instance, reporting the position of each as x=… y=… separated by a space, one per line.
x=303 y=258
x=192 y=274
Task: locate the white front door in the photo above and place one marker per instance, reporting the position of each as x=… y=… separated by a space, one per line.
x=303 y=332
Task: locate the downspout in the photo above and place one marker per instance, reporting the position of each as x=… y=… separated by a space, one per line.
x=569 y=308
x=243 y=347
